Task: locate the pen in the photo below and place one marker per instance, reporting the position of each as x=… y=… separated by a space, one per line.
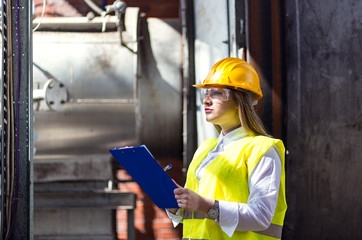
x=168 y=167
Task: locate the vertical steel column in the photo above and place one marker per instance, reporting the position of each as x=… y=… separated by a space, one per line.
x=17 y=119
x=189 y=92
x=6 y=64
x=237 y=31
x=260 y=54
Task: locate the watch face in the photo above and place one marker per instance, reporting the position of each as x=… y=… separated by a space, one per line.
x=213 y=213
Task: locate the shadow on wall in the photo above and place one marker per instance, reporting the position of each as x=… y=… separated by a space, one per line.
x=160 y=91
x=160 y=96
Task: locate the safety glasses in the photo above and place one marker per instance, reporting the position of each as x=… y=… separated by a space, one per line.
x=222 y=94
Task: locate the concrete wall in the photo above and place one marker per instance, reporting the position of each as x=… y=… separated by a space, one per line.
x=324 y=106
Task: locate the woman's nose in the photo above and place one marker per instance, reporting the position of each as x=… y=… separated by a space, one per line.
x=207 y=100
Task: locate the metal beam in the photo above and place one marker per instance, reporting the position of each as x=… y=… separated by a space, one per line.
x=17 y=117
x=85 y=199
x=80 y=199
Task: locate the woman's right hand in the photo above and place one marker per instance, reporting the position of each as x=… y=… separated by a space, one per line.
x=190 y=200
x=174 y=210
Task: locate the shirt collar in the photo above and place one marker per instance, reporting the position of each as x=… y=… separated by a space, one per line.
x=231 y=137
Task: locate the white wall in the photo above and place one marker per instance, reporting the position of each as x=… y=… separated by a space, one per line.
x=211 y=36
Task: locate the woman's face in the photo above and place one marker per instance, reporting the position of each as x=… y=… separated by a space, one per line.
x=220 y=110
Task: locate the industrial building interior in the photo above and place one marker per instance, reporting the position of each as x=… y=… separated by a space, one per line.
x=81 y=77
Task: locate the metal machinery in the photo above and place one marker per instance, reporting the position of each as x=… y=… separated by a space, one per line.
x=82 y=77
x=85 y=98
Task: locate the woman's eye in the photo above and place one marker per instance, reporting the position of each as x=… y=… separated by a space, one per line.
x=217 y=93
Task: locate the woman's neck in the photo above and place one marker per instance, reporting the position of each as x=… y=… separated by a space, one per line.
x=227 y=129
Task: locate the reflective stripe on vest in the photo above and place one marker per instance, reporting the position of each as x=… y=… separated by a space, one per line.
x=197 y=215
x=273 y=230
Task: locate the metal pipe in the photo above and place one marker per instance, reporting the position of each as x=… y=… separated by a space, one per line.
x=76 y=23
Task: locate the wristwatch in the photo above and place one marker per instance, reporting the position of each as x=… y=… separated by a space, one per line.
x=214 y=211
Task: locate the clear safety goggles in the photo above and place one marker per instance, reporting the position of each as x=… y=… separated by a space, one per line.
x=222 y=94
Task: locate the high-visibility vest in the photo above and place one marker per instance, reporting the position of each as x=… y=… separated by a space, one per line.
x=226 y=178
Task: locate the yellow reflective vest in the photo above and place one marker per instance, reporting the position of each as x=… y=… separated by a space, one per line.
x=226 y=178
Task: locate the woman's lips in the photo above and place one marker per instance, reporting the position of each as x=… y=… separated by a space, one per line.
x=208 y=110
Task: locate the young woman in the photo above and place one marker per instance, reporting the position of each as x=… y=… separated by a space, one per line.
x=235 y=183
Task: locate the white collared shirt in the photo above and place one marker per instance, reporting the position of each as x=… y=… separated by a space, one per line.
x=257 y=213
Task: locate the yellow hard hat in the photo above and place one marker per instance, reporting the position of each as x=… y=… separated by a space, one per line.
x=235 y=73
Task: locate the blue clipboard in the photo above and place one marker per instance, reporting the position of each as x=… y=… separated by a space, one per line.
x=145 y=170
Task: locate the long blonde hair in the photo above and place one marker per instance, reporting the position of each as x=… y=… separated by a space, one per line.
x=249 y=119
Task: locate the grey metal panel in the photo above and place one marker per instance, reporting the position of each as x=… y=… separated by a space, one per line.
x=50 y=199
x=73 y=222
x=115 y=98
x=98 y=73
x=78 y=214
x=77 y=169
x=84 y=129
x=324 y=119
x=90 y=65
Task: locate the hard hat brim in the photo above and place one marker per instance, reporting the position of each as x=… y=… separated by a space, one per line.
x=201 y=85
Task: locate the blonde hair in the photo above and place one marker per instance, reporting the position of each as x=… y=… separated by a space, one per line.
x=249 y=119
